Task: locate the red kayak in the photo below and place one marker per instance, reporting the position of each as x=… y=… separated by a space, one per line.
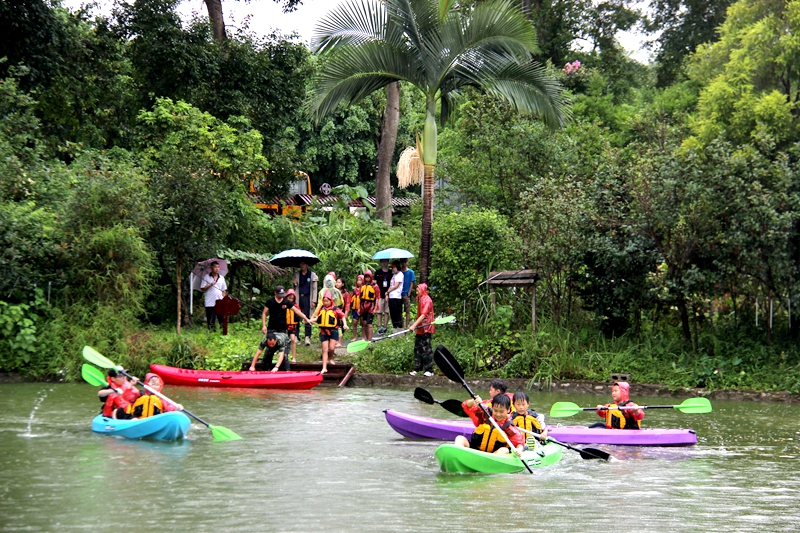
x=223 y=378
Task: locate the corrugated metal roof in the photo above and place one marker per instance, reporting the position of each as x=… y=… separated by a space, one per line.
x=308 y=199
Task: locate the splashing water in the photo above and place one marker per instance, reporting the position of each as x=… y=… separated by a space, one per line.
x=33 y=415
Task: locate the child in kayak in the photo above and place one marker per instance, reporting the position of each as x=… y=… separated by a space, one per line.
x=149 y=404
x=118 y=396
x=486 y=437
x=525 y=418
x=620 y=418
x=330 y=318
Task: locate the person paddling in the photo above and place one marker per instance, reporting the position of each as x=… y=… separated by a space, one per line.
x=118 y=396
x=486 y=437
x=617 y=418
x=149 y=404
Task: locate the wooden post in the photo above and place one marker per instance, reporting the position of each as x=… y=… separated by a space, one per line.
x=533 y=310
x=492 y=299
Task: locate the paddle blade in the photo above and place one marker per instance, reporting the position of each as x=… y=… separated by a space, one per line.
x=594 y=453
x=449 y=319
x=448 y=364
x=694 y=406
x=357 y=346
x=95 y=357
x=423 y=396
x=454 y=406
x=92 y=375
x=564 y=409
x=223 y=433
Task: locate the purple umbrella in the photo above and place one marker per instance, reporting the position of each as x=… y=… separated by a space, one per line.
x=204 y=267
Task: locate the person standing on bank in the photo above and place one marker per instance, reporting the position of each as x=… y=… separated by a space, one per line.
x=423 y=352
x=276 y=308
x=305 y=285
x=214 y=287
x=408 y=285
x=395 y=298
x=383 y=278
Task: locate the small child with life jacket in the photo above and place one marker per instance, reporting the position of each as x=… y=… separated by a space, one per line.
x=292 y=325
x=368 y=304
x=616 y=418
x=118 y=396
x=330 y=318
x=486 y=437
x=528 y=419
x=355 y=304
x=148 y=404
x=346 y=298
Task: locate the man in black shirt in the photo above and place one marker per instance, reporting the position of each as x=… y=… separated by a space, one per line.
x=276 y=309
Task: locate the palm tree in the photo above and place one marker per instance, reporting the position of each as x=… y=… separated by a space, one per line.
x=441 y=47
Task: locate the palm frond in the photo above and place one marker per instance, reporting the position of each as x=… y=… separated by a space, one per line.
x=352 y=23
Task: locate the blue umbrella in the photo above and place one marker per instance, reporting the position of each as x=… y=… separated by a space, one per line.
x=293 y=258
x=393 y=253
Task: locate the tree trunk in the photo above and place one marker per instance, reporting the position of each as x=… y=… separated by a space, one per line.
x=215 y=17
x=687 y=333
x=427 y=225
x=180 y=300
x=383 y=188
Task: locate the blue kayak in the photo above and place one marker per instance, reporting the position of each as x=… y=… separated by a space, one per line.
x=166 y=426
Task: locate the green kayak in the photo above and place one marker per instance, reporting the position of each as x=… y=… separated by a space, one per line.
x=454 y=458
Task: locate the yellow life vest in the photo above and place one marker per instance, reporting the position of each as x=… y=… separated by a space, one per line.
x=290 y=317
x=147 y=405
x=527 y=421
x=368 y=293
x=356 y=300
x=619 y=419
x=328 y=318
x=487 y=439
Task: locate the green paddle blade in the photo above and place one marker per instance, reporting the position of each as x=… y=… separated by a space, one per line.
x=93 y=356
x=695 y=406
x=445 y=320
x=357 y=346
x=92 y=375
x=564 y=409
x=223 y=433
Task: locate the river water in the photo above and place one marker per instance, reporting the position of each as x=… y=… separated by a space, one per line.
x=325 y=460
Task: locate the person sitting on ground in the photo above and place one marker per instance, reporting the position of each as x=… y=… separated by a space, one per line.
x=486 y=437
x=617 y=418
x=525 y=418
x=118 y=396
x=149 y=404
x=330 y=319
x=274 y=342
x=292 y=325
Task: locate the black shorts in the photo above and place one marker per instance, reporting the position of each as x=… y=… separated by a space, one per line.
x=367 y=318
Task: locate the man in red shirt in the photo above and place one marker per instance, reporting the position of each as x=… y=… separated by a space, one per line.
x=423 y=352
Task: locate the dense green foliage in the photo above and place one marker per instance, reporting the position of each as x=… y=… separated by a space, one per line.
x=663 y=219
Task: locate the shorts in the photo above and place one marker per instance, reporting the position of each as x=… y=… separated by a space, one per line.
x=383 y=306
x=332 y=335
x=366 y=318
x=406 y=304
x=354 y=314
x=292 y=329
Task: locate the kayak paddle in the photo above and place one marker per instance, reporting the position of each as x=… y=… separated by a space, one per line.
x=454 y=406
x=93 y=376
x=586 y=453
x=357 y=346
x=93 y=356
x=690 y=406
x=445 y=361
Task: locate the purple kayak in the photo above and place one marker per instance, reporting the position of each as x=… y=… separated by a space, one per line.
x=422 y=427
